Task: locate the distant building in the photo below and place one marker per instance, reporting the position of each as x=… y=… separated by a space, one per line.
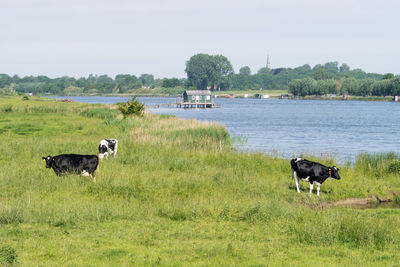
x=199 y=96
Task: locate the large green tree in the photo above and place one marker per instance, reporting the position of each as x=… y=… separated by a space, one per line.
x=205 y=70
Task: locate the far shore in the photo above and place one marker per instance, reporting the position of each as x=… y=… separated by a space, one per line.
x=283 y=94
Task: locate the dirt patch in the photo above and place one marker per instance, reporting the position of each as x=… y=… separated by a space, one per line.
x=360 y=203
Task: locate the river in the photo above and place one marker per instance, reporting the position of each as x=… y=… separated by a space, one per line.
x=341 y=129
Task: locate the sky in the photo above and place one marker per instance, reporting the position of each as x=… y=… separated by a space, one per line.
x=81 y=37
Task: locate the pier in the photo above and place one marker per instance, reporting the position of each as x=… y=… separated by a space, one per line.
x=185 y=105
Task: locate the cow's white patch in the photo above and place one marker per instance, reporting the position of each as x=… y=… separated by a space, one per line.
x=297 y=159
x=85 y=173
x=311 y=188
x=306 y=179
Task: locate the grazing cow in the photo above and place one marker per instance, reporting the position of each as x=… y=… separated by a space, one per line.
x=311 y=172
x=108 y=146
x=73 y=163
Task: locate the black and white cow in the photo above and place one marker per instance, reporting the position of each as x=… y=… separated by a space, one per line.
x=85 y=165
x=312 y=172
x=108 y=146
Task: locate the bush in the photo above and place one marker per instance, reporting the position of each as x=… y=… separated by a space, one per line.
x=25 y=97
x=132 y=107
x=7 y=108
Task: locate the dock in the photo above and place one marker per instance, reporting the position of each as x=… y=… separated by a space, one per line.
x=185 y=105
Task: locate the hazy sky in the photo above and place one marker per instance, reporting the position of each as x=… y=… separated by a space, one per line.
x=79 y=37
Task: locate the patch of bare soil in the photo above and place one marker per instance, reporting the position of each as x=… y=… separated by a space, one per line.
x=360 y=203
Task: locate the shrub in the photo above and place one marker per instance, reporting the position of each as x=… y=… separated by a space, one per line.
x=7 y=108
x=132 y=107
x=25 y=97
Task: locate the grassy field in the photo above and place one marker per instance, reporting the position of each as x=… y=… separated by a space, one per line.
x=177 y=194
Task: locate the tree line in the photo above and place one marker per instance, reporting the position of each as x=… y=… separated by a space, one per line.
x=389 y=85
x=215 y=72
x=93 y=84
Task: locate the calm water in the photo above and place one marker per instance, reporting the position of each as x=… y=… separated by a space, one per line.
x=318 y=127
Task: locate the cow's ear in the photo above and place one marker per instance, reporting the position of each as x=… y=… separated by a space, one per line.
x=43 y=158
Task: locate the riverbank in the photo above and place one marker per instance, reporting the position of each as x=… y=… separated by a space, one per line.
x=178 y=193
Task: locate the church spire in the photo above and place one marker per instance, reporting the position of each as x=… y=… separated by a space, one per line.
x=268 y=66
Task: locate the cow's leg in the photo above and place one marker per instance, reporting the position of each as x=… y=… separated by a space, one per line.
x=318 y=187
x=115 y=149
x=311 y=188
x=297 y=181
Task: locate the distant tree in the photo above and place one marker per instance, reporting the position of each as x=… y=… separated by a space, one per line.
x=381 y=88
x=366 y=87
x=245 y=70
x=321 y=74
x=170 y=83
x=324 y=87
x=344 y=68
x=204 y=70
x=73 y=90
x=395 y=85
x=387 y=76
x=332 y=67
x=263 y=70
x=223 y=72
x=5 y=80
x=125 y=82
x=200 y=71
x=302 y=70
x=303 y=87
x=147 y=80
x=317 y=67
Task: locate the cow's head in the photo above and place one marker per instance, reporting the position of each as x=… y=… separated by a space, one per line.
x=49 y=161
x=335 y=173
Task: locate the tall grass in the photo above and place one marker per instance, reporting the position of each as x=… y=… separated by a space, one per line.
x=176 y=193
x=377 y=165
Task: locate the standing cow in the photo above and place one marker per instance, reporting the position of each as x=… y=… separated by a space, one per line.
x=108 y=147
x=311 y=172
x=85 y=165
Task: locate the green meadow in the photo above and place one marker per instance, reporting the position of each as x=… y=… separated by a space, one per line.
x=178 y=194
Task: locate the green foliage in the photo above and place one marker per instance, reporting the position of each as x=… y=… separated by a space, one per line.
x=8 y=256
x=132 y=107
x=245 y=70
x=73 y=90
x=303 y=87
x=24 y=98
x=387 y=76
x=204 y=70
